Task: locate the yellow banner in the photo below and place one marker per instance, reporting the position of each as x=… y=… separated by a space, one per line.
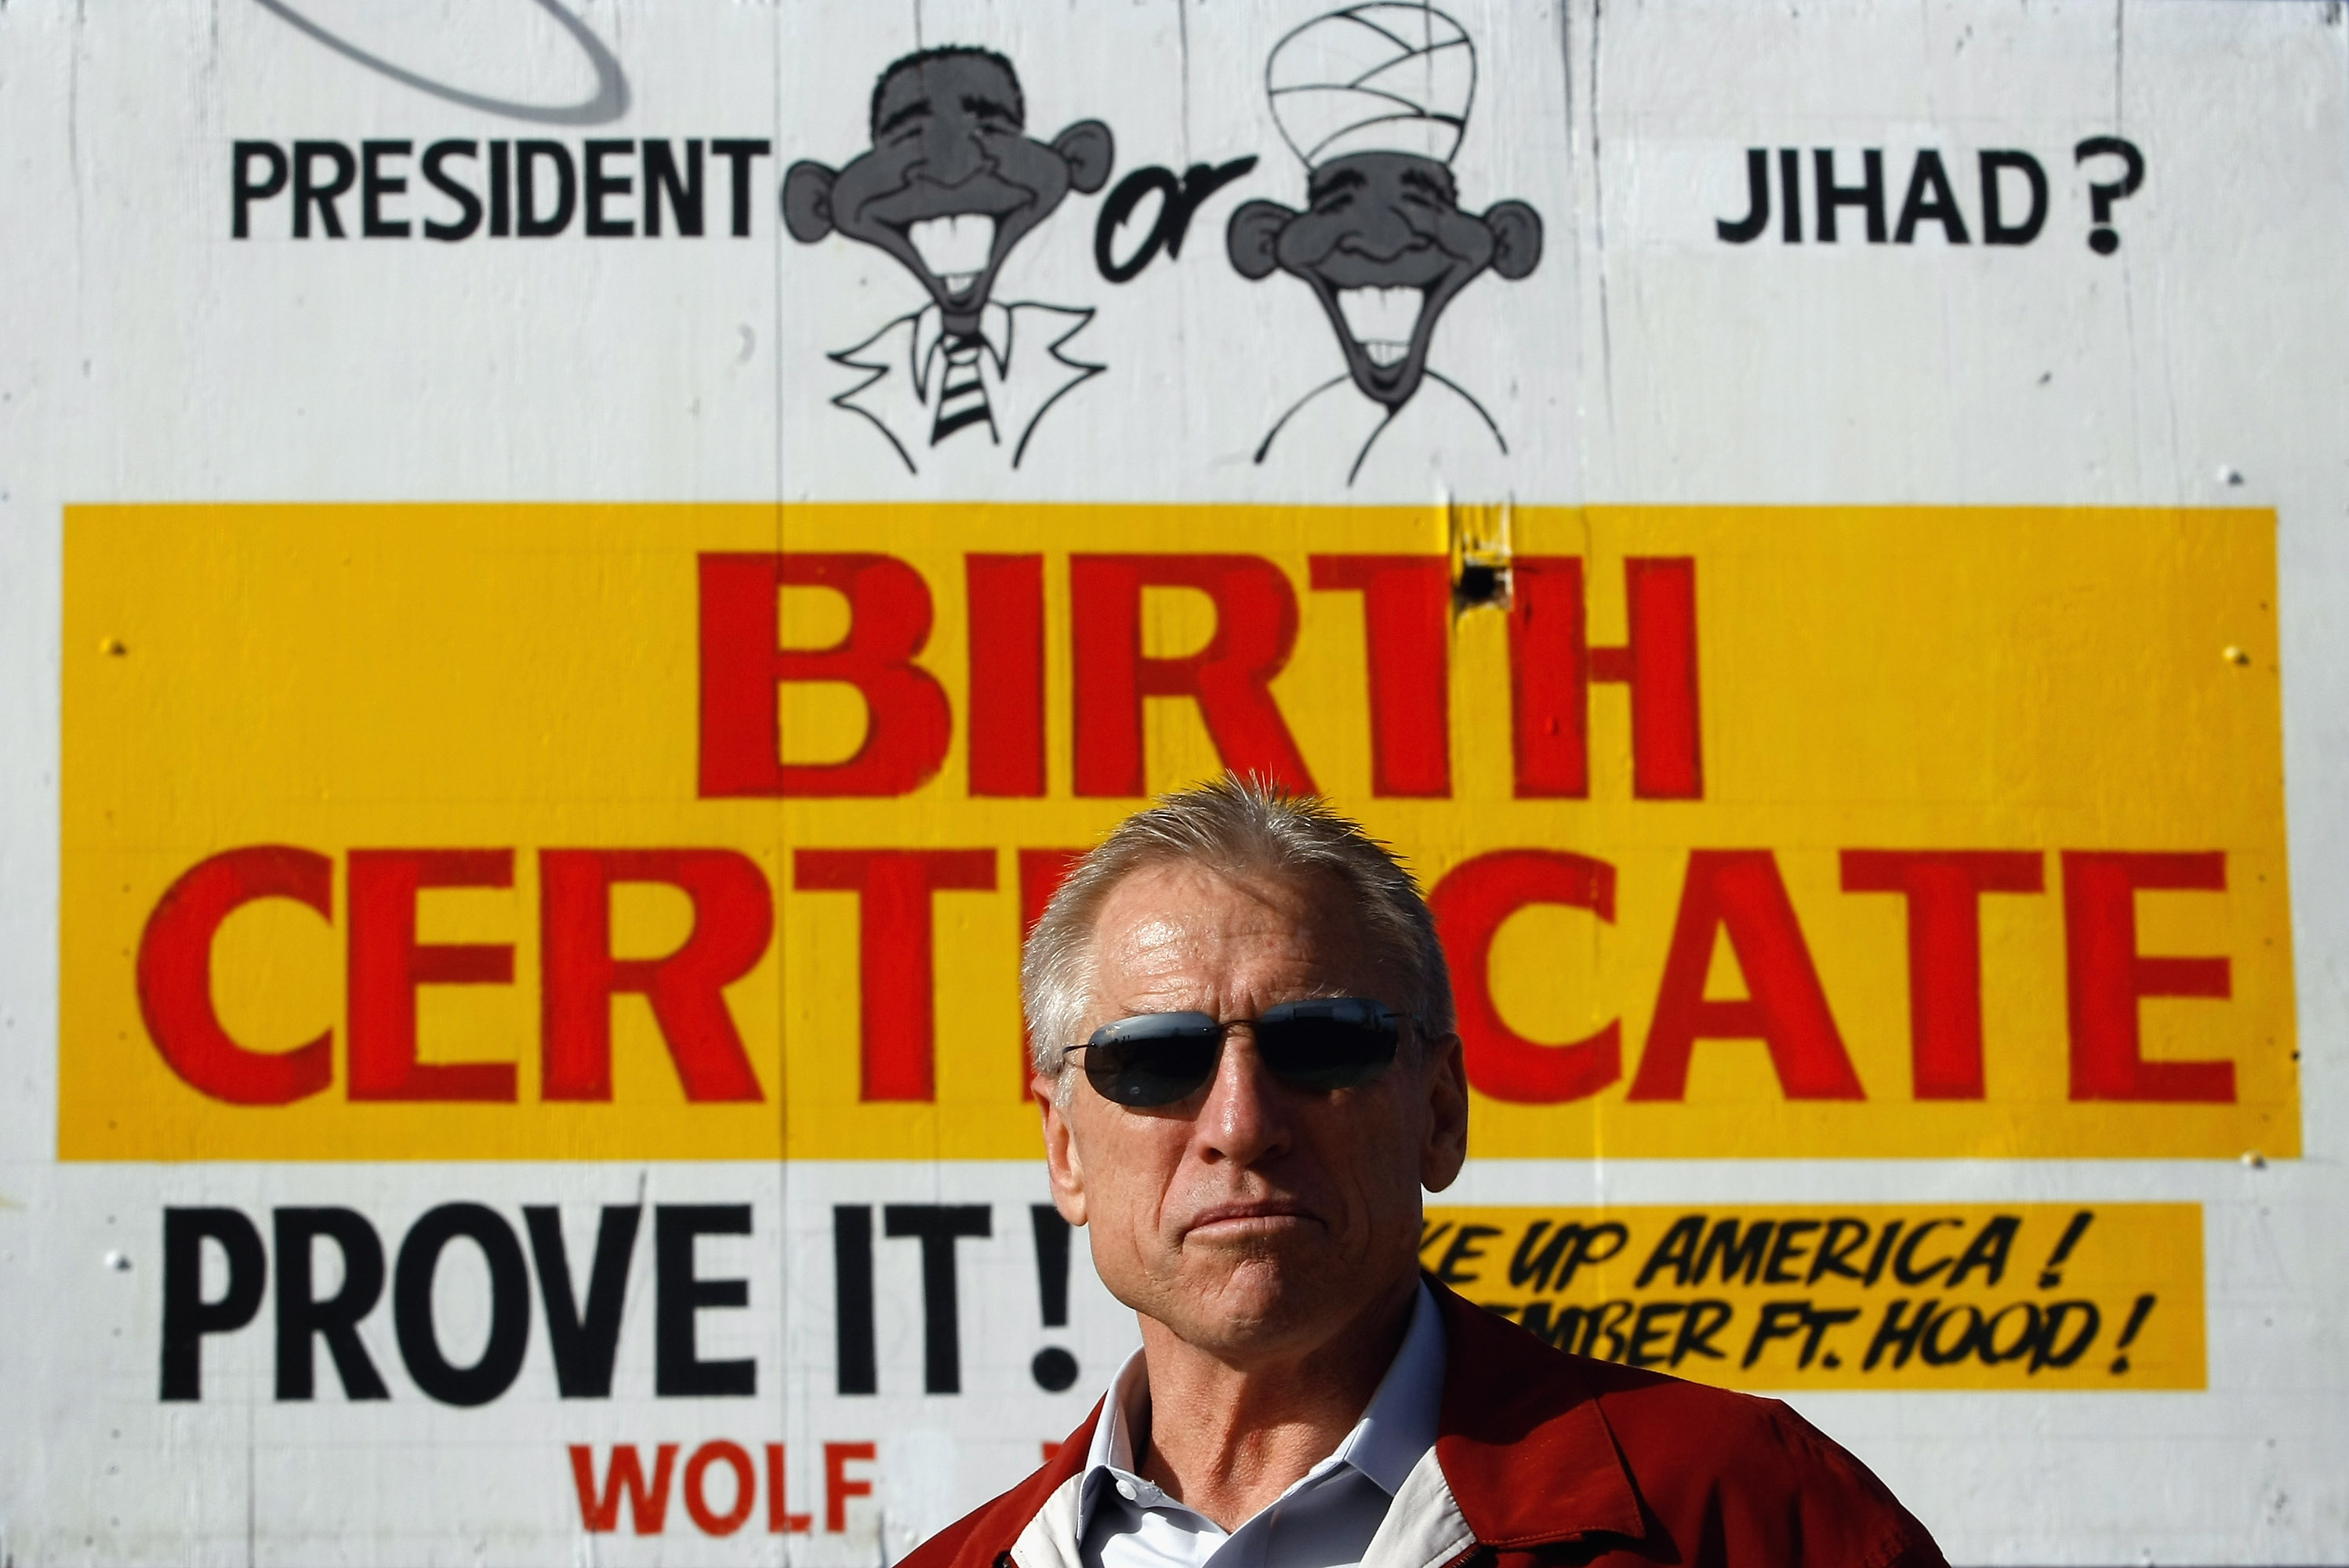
x=709 y=831
x=1970 y=1295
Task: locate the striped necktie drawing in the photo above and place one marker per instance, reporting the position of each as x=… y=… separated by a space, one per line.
x=962 y=400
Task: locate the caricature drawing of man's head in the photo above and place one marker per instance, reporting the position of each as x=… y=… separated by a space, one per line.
x=952 y=180
x=1373 y=99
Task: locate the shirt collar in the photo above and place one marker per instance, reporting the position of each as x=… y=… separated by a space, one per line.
x=1397 y=1427
x=931 y=332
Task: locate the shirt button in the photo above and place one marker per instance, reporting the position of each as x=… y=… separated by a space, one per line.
x=1125 y=1490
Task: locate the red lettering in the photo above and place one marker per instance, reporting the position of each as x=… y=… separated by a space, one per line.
x=1944 y=889
x=894 y=973
x=733 y=916
x=837 y=1486
x=1406 y=604
x=647 y=1508
x=1551 y=667
x=1007 y=673
x=908 y=722
x=1471 y=904
x=175 y=975
x=746 y=1487
x=1739 y=891
x=2105 y=975
x=779 y=1519
x=1230 y=679
x=387 y=964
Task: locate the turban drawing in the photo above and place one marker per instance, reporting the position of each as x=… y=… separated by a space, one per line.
x=1385 y=76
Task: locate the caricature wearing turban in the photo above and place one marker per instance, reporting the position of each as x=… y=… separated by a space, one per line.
x=1373 y=99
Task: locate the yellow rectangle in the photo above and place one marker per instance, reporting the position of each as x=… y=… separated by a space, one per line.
x=2026 y=1295
x=2044 y=685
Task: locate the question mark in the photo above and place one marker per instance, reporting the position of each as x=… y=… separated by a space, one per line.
x=2104 y=239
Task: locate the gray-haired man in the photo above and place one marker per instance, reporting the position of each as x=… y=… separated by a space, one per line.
x=1248 y=1074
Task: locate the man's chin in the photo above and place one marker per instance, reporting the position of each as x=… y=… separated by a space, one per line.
x=1392 y=385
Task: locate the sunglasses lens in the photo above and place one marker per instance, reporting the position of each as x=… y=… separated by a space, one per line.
x=1153 y=1060
x=1321 y=1045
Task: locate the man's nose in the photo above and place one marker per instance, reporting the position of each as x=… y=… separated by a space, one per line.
x=1245 y=1118
x=1383 y=235
x=951 y=152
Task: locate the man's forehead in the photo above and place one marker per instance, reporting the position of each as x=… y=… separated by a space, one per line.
x=945 y=79
x=1173 y=921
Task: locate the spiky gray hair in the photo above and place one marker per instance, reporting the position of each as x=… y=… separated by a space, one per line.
x=1238 y=827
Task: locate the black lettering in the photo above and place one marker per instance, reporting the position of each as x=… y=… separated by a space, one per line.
x=1986 y=1343
x=684 y=195
x=1868 y=195
x=1930 y=199
x=187 y=1315
x=1705 y=1318
x=1987 y=1251
x=1894 y=1335
x=1650 y=1332
x=737 y=155
x=852 y=1299
x=1995 y=231
x=1904 y=1261
x=1785 y=1251
x=1845 y=1236
x=1177 y=201
x=1606 y=1321
x=1757 y=200
x=530 y=224
x=584 y=1343
x=469 y=206
x=1883 y=1251
x=308 y=192
x=411 y=1305
x=678 y=1371
x=601 y=185
x=2053 y=1326
x=1676 y=1251
x=1936 y=1353
x=1790 y=184
x=244 y=191
x=1560 y=1330
x=500 y=193
x=1734 y=1253
x=938 y=1226
x=1464 y=1248
x=301 y=1317
x=375 y=185
x=1821 y=1321
x=1779 y=1320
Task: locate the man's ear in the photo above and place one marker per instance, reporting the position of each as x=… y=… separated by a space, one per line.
x=807 y=202
x=1061 y=1162
x=1253 y=238
x=1516 y=238
x=1090 y=150
x=1444 y=1075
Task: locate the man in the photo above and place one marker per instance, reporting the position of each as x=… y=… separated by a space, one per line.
x=951 y=184
x=1373 y=99
x=1244 y=1060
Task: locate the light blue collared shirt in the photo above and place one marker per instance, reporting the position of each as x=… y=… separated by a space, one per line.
x=1325 y=1520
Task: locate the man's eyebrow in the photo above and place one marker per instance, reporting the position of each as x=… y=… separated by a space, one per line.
x=1440 y=189
x=920 y=106
x=977 y=105
x=1330 y=184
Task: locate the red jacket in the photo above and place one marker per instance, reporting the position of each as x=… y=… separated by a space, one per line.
x=1545 y=1459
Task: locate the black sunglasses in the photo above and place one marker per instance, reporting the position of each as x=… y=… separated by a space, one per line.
x=1318 y=1044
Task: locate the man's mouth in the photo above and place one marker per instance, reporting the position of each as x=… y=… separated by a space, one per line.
x=955 y=249
x=1382 y=320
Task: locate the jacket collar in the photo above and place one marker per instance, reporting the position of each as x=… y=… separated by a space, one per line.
x=1523 y=1444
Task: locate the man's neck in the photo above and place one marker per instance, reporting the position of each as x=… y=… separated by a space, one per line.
x=1226 y=1438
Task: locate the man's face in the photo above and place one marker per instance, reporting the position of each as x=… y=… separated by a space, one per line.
x=1384 y=245
x=1253 y=1220
x=952 y=180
